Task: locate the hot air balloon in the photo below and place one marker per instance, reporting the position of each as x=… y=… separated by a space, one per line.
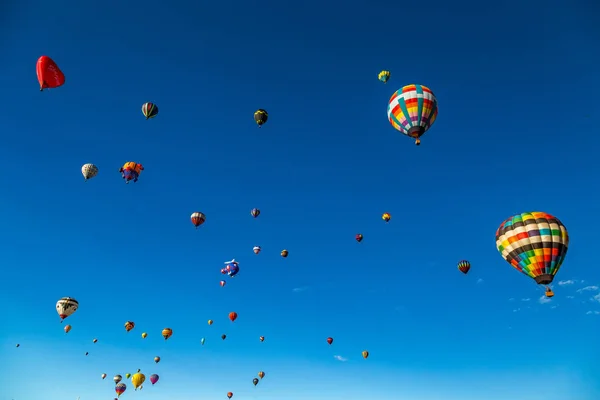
x=464 y=266
x=329 y=340
x=130 y=171
x=48 y=74
x=210 y=322
x=412 y=110
x=261 y=116
x=129 y=325
x=117 y=378
x=255 y=212
x=534 y=243
x=144 y=335
x=157 y=359
x=365 y=354
x=384 y=76
x=127 y=376
x=95 y=341
x=167 y=332
x=256 y=249
x=229 y=395
x=86 y=353
x=89 y=171
x=138 y=379
x=223 y=336
x=255 y=381
x=150 y=110
x=359 y=237
x=198 y=219
x=386 y=217
x=120 y=389
x=284 y=253
x=154 y=378
x=202 y=341
x=233 y=316
x=262 y=338
x=18 y=345
x=66 y=307
x=261 y=374
x=232 y=268
x=67 y=328
x=103 y=376
x=222 y=283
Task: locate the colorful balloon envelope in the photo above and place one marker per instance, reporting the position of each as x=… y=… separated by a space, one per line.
x=144 y=335
x=157 y=359
x=464 y=266
x=103 y=376
x=66 y=307
x=120 y=388
x=359 y=237
x=48 y=74
x=386 y=217
x=95 y=341
x=127 y=376
x=365 y=354
x=262 y=338
x=89 y=171
x=256 y=249
x=202 y=341
x=210 y=322
x=167 y=332
x=384 y=76
x=223 y=337
x=117 y=378
x=198 y=219
x=284 y=253
x=232 y=268
x=412 y=110
x=261 y=374
x=150 y=110
x=129 y=325
x=222 y=283
x=154 y=378
x=260 y=117
x=255 y=381
x=255 y=212
x=229 y=395
x=67 y=328
x=233 y=316
x=330 y=340
x=534 y=243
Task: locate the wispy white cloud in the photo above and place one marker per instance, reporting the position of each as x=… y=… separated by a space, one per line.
x=527 y=299
x=596 y=298
x=340 y=358
x=553 y=307
x=593 y=313
x=544 y=300
x=511 y=299
x=567 y=282
x=570 y=297
x=300 y=289
x=588 y=289
x=516 y=310
x=479 y=280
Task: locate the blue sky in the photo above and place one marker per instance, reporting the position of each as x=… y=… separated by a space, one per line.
x=516 y=132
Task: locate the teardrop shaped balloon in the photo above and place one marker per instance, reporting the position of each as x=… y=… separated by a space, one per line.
x=103 y=376
x=117 y=378
x=89 y=171
x=120 y=388
x=261 y=374
x=412 y=110
x=137 y=380
x=154 y=378
x=157 y=359
x=233 y=316
x=464 y=266
x=150 y=110
x=255 y=381
x=534 y=243
x=129 y=325
x=48 y=74
x=66 y=307
x=229 y=395
x=167 y=333
x=365 y=354
x=202 y=341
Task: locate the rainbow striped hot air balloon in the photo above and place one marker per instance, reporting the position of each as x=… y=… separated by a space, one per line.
x=534 y=243
x=412 y=110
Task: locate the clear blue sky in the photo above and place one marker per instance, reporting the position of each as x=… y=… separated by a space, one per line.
x=517 y=131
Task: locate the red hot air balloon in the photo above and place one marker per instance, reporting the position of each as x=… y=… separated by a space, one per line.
x=464 y=266
x=223 y=283
x=359 y=237
x=329 y=340
x=198 y=219
x=48 y=74
x=232 y=316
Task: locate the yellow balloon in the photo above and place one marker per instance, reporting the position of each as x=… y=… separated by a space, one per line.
x=144 y=335
x=137 y=379
x=210 y=321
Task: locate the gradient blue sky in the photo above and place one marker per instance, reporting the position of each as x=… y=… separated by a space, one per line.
x=517 y=131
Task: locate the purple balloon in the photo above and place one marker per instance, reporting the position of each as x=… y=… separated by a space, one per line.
x=153 y=378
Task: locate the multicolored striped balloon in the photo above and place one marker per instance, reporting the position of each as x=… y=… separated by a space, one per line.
x=464 y=266
x=534 y=243
x=150 y=110
x=412 y=110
